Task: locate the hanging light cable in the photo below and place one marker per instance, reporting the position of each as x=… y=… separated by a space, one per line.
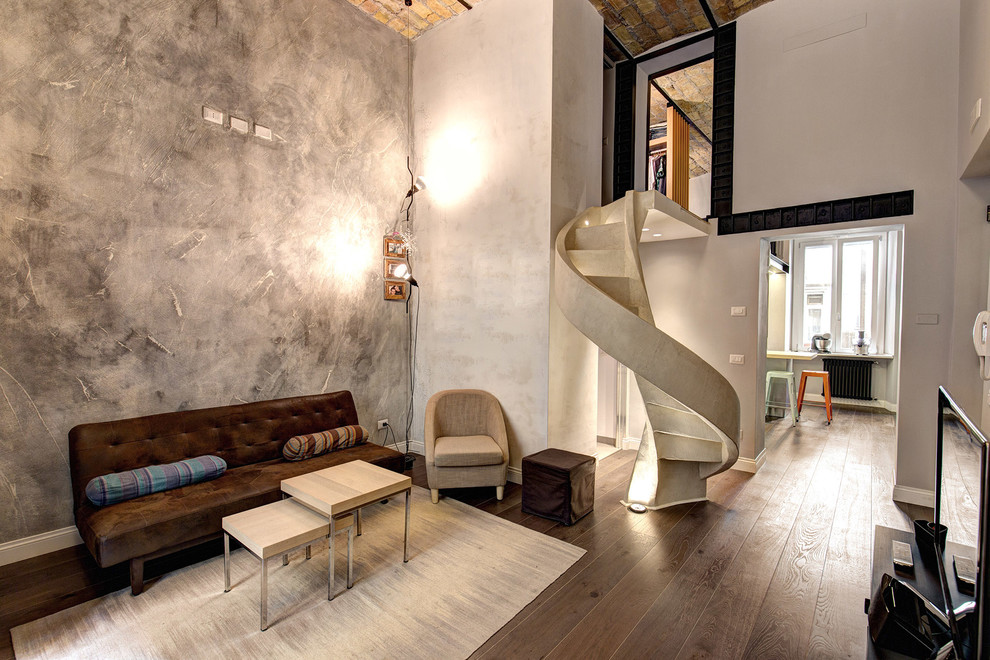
x=414 y=187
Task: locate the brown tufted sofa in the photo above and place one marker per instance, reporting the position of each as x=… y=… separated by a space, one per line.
x=249 y=437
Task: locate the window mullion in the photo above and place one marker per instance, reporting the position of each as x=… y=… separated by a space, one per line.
x=835 y=325
x=880 y=295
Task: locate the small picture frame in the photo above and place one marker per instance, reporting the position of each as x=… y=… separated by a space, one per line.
x=396 y=290
x=390 y=266
x=395 y=247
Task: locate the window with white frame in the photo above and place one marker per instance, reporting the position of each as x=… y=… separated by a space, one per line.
x=840 y=288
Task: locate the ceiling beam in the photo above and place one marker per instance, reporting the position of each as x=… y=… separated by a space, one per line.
x=618 y=44
x=653 y=54
x=708 y=13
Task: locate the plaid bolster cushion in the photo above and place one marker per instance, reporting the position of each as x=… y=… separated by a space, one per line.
x=121 y=486
x=301 y=447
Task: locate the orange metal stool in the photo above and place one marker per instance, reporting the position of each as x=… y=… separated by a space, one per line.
x=805 y=375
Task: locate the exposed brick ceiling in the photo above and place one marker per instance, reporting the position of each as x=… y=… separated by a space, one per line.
x=643 y=24
x=639 y=24
x=421 y=16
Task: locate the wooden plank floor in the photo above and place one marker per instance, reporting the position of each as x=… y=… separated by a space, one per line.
x=775 y=565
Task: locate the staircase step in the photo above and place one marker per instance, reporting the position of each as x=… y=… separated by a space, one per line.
x=665 y=399
x=675 y=447
x=599 y=263
x=679 y=420
x=623 y=290
x=611 y=236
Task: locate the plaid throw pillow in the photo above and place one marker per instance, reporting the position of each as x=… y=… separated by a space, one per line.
x=301 y=447
x=121 y=486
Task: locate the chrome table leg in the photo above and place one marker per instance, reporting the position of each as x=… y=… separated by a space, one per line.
x=405 y=541
x=226 y=562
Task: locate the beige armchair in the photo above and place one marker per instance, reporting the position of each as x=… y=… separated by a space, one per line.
x=466 y=443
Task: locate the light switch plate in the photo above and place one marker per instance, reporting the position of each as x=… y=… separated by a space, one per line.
x=976 y=113
x=926 y=319
x=737 y=311
x=238 y=124
x=212 y=115
x=737 y=359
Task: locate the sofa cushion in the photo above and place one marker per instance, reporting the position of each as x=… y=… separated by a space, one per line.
x=147 y=524
x=122 y=486
x=301 y=447
x=466 y=451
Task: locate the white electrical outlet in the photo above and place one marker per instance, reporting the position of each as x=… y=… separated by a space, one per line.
x=737 y=311
x=263 y=132
x=382 y=423
x=238 y=124
x=737 y=359
x=213 y=116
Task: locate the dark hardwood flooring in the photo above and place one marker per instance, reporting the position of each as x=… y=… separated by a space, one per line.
x=775 y=565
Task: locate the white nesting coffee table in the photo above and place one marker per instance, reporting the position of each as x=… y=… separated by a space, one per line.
x=276 y=529
x=342 y=489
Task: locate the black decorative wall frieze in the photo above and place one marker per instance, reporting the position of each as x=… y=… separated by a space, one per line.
x=871 y=207
x=723 y=119
x=623 y=178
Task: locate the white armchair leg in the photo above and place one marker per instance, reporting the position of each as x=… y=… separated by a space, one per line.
x=435 y=495
x=499 y=492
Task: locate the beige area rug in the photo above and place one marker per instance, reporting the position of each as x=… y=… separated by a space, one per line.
x=468 y=574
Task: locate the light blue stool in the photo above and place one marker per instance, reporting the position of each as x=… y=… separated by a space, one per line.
x=791 y=394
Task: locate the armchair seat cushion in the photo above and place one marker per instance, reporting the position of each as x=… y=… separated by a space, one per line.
x=467 y=451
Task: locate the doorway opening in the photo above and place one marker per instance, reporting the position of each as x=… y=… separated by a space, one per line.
x=832 y=303
x=679 y=145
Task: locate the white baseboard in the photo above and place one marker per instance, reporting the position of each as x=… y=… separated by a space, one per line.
x=631 y=443
x=39 y=544
x=918 y=496
x=417 y=447
x=514 y=475
x=751 y=465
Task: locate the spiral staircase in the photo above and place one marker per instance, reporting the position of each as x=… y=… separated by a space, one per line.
x=692 y=426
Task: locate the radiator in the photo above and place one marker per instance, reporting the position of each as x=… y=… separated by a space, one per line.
x=850 y=379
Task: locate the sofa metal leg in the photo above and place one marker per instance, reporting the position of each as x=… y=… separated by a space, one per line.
x=137 y=576
x=435 y=495
x=499 y=492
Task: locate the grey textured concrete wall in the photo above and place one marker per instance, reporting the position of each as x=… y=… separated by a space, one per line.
x=152 y=261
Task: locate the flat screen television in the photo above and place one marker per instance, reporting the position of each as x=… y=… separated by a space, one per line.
x=962 y=503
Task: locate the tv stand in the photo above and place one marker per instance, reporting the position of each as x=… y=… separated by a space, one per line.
x=923 y=578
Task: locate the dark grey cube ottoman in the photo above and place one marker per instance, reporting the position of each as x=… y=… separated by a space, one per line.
x=558 y=484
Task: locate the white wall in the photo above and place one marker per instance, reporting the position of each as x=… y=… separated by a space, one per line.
x=482 y=116
x=575 y=184
x=692 y=284
x=974 y=84
x=777 y=311
x=833 y=119
x=508 y=122
x=970 y=293
x=700 y=194
x=973 y=197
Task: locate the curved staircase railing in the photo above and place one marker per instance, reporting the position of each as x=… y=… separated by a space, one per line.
x=692 y=410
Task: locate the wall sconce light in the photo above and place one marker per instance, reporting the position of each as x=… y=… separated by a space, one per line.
x=418 y=186
x=403 y=271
